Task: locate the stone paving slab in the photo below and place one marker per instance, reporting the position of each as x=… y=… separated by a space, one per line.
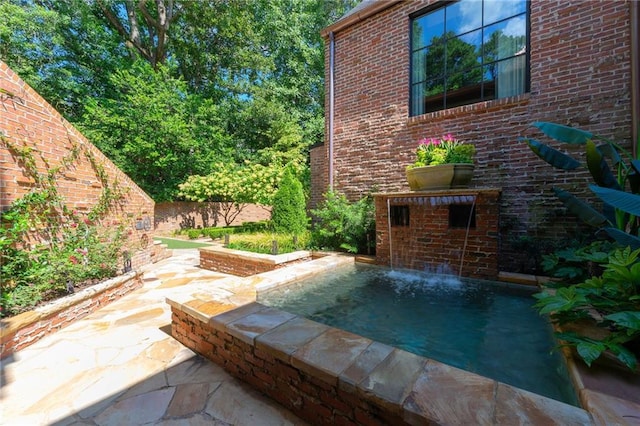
x=119 y=366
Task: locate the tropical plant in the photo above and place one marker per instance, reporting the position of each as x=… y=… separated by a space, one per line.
x=610 y=302
x=341 y=225
x=614 y=171
x=289 y=213
x=444 y=150
x=572 y=265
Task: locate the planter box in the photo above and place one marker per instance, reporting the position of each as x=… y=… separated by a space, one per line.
x=442 y=176
x=24 y=329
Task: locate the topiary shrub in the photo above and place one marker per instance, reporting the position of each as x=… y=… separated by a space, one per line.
x=289 y=213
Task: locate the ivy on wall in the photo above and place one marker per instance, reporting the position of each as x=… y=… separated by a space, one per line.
x=47 y=247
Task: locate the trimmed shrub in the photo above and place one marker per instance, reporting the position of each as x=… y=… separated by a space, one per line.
x=289 y=213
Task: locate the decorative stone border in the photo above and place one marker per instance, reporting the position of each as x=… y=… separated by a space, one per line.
x=243 y=263
x=24 y=329
x=328 y=376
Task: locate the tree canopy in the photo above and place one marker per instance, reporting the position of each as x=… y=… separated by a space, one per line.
x=169 y=88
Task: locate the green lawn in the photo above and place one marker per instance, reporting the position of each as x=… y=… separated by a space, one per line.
x=173 y=243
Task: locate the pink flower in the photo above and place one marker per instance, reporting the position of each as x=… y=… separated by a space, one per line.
x=73 y=260
x=83 y=252
x=86 y=221
x=74 y=225
x=448 y=137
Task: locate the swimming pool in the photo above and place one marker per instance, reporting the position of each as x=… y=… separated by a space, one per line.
x=487 y=328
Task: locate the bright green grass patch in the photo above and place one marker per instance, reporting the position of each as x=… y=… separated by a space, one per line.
x=263 y=242
x=180 y=244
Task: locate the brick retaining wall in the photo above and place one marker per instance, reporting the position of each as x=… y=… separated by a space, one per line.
x=244 y=264
x=313 y=399
x=24 y=329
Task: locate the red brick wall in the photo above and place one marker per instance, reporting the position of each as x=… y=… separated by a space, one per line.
x=234 y=265
x=310 y=398
x=245 y=265
x=580 y=75
x=27 y=120
x=429 y=242
x=181 y=215
x=320 y=174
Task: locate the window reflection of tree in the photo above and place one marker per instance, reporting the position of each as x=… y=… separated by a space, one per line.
x=454 y=74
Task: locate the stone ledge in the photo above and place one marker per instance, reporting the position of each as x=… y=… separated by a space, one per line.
x=256 y=257
x=15 y=332
x=264 y=346
x=233 y=307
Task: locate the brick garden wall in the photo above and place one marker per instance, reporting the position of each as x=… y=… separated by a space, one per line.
x=174 y=216
x=28 y=121
x=580 y=76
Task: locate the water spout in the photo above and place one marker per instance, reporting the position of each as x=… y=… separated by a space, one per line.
x=466 y=235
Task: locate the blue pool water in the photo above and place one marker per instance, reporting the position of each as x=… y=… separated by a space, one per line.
x=487 y=328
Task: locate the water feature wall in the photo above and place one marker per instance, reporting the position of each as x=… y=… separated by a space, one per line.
x=458 y=228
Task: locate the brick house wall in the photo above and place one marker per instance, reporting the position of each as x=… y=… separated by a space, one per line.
x=28 y=121
x=579 y=75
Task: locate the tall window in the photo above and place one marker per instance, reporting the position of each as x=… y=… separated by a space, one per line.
x=468 y=51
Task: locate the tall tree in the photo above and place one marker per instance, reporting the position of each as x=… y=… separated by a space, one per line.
x=143 y=25
x=155 y=130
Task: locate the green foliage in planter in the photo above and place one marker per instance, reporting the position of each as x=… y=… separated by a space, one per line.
x=572 y=265
x=263 y=242
x=82 y=251
x=45 y=247
x=341 y=225
x=610 y=301
x=289 y=214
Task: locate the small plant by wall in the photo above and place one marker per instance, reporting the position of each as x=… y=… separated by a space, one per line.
x=345 y=226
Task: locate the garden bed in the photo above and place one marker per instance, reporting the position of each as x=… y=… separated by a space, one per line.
x=24 y=329
x=243 y=263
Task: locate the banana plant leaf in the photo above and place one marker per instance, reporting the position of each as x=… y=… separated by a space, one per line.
x=563 y=133
x=611 y=152
x=621 y=200
x=552 y=156
x=584 y=211
x=623 y=238
x=598 y=166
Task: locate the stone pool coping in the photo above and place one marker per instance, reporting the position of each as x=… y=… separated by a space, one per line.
x=407 y=387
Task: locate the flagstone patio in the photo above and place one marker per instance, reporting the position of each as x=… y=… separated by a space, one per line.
x=120 y=366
